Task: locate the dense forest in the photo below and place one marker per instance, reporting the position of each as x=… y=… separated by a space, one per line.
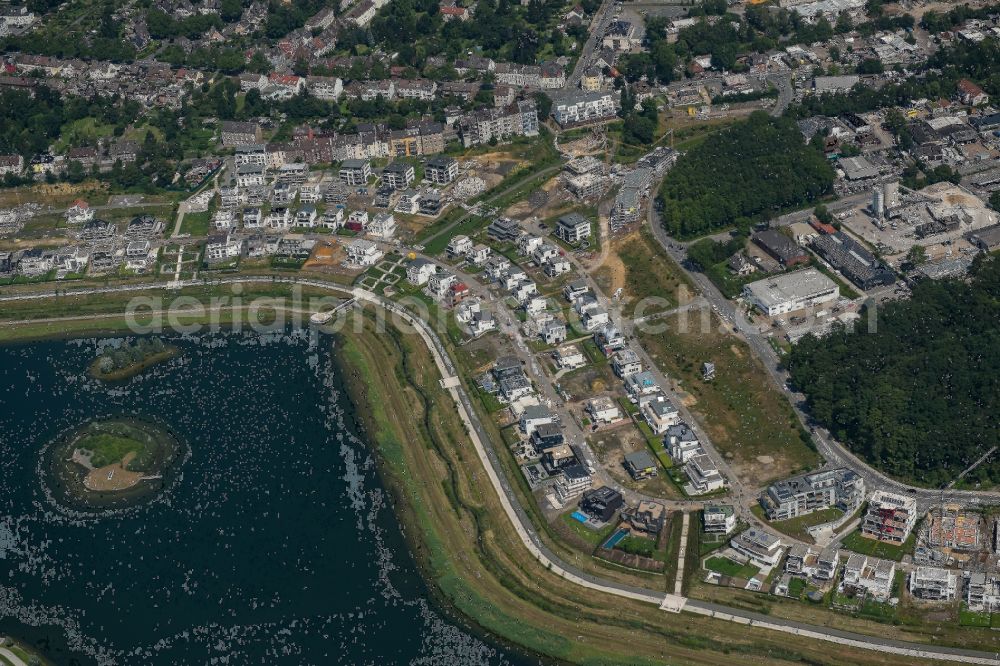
x=742 y=175
x=918 y=397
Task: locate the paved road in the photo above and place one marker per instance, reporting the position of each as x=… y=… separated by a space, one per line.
x=522 y=523
x=598 y=25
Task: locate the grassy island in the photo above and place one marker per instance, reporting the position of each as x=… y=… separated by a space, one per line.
x=117 y=364
x=112 y=463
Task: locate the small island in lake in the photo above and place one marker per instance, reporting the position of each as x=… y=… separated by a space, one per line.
x=118 y=363
x=112 y=463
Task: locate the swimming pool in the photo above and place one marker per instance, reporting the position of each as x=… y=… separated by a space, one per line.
x=615 y=538
x=582 y=517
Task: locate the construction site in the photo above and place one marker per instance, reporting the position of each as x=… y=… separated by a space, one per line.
x=951 y=535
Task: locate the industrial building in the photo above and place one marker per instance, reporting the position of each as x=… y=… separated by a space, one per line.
x=781 y=248
x=790 y=292
x=853 y=261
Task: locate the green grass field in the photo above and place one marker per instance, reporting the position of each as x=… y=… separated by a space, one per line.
x=108 y=448
x=799 y=527
x=860 y=544
x=727 y=567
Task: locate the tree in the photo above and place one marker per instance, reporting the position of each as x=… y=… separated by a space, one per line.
x=917 y=255
x=995 y=200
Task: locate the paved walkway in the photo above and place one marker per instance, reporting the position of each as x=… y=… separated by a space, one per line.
x=679 y=581
x=11 y=657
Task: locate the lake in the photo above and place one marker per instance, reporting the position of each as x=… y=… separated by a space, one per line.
x=275 y=544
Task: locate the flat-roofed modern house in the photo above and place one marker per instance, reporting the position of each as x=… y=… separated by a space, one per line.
x=890 y=517
x=933 y=584
x=573 y=228
x=703 y=474
x=718 y=518
x=759 y=545
x=800 y=495
x=790 y=292
x=602 y=503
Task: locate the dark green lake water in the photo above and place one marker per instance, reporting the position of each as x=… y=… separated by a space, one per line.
x=276 y=544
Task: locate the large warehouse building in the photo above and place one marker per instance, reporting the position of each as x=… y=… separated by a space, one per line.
x=791 y=291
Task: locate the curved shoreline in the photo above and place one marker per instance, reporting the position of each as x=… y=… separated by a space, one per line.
x=531 y=541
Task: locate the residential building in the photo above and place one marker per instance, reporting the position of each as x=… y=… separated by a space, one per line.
x=584 y=107
x=626 y=362
x=603 y=410
x=398 y=175
x=971 y=94
x=234 y=134
x=534 y=416
x=441 y=170
x=250 y=175
x=826 y=564
x=703 y=475
x=574 y=482
x=504 y=229
x=890 y=517
x=762 y=547
x=383 y=226
x=681 y=442
x=868 y=575
x=982 y=591
x=573 y=228
x=355 y=172
x=251 y=153
x=626 y=208
x=786 y=293
x=326 y=88
x=517 y=119
x=594 y=319
x=546 y=436
x=220 y=249
x=659 y=412
x=601 y=504
x=429 y=203
x=570 y=357
x=648 y=517
x=800 y=495
x=718 y=519
x=459 y=246
x=361 y=252
x=553 y=332
x=801 y=560
x=640 y=465
x=639 y=384
x=933 y=584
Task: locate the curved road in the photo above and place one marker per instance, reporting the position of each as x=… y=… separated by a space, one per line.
x=530 y=538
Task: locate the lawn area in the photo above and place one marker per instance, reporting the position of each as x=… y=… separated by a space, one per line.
x=796 y=587
x=860 y=544
x=727 y=567
x=197 y=224
x=967 y=618
x=799 y=527
x=591 y=536
x=109 y=447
